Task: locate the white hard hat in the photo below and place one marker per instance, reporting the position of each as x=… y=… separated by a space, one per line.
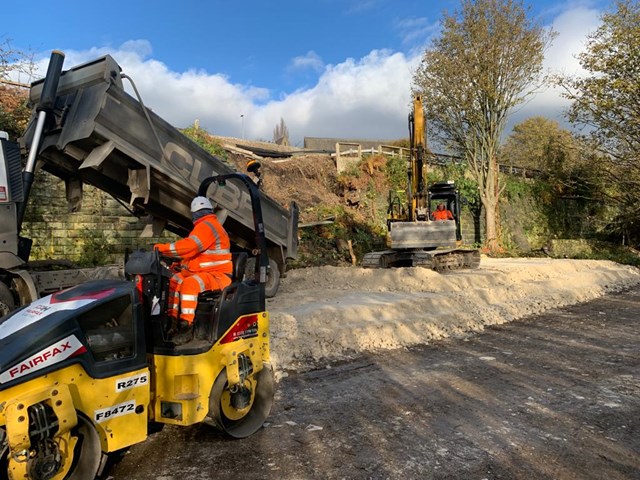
x=199 y=203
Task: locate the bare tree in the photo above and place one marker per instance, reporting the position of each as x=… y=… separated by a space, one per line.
x=14 y=62
x=487 y=60
x=281 y=133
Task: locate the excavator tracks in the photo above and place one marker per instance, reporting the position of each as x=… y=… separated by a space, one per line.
x=438 y=260
x=456 y=260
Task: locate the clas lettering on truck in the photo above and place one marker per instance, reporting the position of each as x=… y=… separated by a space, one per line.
x=194 y=170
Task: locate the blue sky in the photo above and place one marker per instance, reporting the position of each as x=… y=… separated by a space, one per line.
x=339 y=68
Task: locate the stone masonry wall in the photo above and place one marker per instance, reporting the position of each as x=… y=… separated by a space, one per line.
x=99 y=233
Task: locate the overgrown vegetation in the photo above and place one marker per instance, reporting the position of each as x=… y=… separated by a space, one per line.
x=328 y=244
x=612 y=252
x=205 y=140
x=96 y=246
x=607 y=101
x=560 y=204
x=14 y=112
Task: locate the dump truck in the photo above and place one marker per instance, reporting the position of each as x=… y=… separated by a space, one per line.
x=86 y=129
x=414 y=236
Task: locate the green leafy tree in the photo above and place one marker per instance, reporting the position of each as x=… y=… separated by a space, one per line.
x=607 y=101
x=566 y=162
x=14 y=112
x=540 y=144
x=571 y=191
x=486 y=61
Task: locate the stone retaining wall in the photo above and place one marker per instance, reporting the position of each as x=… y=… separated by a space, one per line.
x=99 y=233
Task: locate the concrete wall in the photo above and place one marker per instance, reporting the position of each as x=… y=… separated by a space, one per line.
x=329 y=144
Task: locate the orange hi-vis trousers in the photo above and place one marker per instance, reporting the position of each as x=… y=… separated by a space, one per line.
x=184 y=288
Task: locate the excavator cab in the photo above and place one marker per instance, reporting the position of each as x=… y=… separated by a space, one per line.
x=446 y=193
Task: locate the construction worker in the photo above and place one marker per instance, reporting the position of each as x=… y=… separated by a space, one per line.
x=442 y=213
x=205 y=263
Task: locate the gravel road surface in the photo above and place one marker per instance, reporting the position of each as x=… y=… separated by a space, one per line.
x=552 y=396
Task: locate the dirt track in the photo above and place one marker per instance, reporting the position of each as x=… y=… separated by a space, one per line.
x=553 y=396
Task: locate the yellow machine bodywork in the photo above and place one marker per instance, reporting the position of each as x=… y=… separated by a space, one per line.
x=120 y=417
x=68 y=401
x=175 y=389
x=182 y=384
x=418 y=162
x=414 y=238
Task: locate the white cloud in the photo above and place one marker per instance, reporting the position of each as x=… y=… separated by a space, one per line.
x=362 y=6
x=178 y=97
x=357 y=98
x=572 y=26
x=366 y=98
x=310 y=60
x=416 y=30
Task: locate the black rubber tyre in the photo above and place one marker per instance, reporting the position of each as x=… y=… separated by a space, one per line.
x=7 y=302
x=273 y=279
x=273 y=276
x=260 y=407
x=87 y=452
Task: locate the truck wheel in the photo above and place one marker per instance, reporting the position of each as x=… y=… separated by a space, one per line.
x=7 y=302
x=242 y=422
x=273 y=279
x=273 y=276
x=87 y=453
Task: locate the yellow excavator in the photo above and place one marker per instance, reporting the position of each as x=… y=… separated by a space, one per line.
x=414 y=236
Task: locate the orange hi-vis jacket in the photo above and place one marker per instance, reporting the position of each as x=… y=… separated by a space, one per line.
x=207 y=248
x=442 y=215
x=206 y=254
